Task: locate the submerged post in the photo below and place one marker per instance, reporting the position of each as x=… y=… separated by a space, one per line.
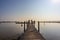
x=38 y=27
x=24 y=26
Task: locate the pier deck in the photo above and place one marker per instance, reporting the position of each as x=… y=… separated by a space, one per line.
x=31 y=34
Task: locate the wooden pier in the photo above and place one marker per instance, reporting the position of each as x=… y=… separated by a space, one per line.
x=31 y=33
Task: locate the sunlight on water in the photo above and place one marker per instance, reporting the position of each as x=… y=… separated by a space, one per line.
x=50 y=31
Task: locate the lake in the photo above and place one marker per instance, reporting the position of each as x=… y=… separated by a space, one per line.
x=9 y=31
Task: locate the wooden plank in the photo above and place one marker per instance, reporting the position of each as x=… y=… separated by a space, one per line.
x=31 y=34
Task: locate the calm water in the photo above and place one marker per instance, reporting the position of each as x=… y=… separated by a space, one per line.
x=51 y=31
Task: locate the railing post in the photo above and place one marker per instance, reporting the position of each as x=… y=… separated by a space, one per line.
x=24 y=26
x=28 y=23
x=34 y=23
x=38 y=26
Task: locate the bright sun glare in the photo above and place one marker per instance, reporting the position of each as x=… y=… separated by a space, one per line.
x=55 y=1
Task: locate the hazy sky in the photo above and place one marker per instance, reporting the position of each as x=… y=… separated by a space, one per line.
x=23 y=9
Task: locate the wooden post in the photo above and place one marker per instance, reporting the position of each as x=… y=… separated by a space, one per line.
x=24 y=26
x=28 y=23
x=34 y=23
x=38 y=27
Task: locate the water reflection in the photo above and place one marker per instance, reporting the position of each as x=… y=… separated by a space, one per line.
x=49 y=30
x=10 y=30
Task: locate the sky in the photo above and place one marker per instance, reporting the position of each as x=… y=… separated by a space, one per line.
x=29 y=9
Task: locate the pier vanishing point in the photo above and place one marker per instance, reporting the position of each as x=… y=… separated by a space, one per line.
x=31 y=33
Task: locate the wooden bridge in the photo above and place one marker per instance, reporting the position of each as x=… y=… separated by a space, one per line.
x=31 y=33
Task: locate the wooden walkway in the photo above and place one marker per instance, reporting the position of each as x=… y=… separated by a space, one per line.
x=31 y=34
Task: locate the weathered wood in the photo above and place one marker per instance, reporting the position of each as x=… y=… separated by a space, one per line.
x=31 y=33
x=38 y=26
x=24 y=26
